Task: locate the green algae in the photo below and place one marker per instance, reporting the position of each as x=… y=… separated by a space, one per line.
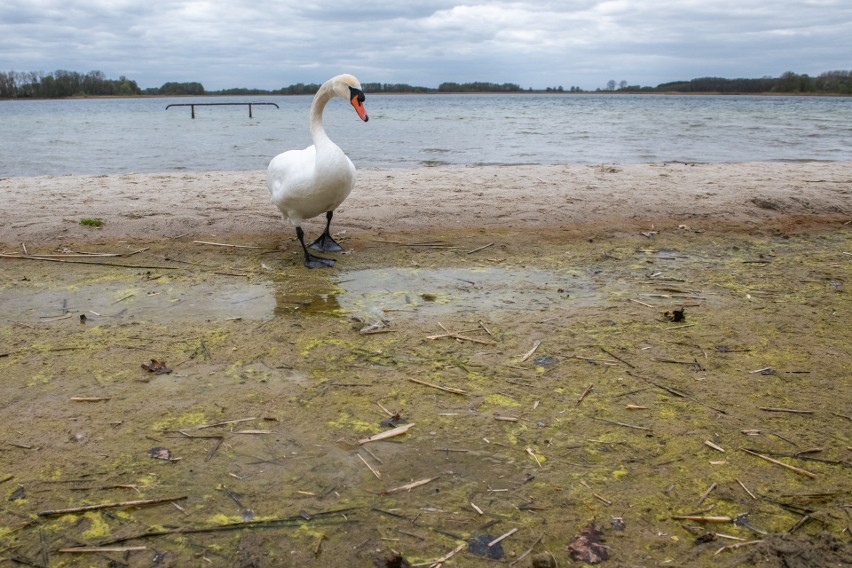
x=310 y=382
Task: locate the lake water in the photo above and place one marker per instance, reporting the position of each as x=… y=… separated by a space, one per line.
x=106 y=136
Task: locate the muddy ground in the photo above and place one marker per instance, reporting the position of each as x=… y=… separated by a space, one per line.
x=670 y=368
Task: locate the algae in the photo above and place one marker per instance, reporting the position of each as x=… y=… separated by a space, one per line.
x=764 y=328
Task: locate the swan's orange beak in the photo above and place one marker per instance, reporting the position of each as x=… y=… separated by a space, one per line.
x=358 y=103
x=356 y=97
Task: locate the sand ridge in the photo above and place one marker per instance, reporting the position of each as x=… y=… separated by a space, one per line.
x=613 y=197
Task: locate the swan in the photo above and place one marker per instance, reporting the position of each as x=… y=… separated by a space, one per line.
x=306 y=183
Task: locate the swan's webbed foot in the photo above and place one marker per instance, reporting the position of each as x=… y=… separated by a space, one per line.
x=325 y=243
x=312 y=261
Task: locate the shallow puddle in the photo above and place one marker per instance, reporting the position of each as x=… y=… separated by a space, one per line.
x=375 y=293
x=370 y=294
x=117 y=302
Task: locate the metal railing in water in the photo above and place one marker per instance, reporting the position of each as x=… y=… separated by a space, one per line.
x=193 y=105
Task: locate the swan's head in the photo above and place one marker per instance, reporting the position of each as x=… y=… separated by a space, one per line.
x=349 y=88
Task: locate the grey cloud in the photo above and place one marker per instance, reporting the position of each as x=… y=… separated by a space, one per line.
x=533 y=43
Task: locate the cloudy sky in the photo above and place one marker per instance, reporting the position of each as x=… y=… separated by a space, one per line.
x=536 y=43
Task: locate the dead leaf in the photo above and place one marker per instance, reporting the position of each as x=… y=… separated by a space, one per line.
x=158 y=367
x=588 y=546
x=160 y=453
x=393 y=421
x=676 y=315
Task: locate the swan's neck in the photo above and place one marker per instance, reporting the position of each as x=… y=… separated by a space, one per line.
x=322 y=97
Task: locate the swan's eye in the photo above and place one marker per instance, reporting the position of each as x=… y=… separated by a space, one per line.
x=356 y=93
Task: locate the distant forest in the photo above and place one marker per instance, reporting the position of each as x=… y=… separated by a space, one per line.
x=63 y=84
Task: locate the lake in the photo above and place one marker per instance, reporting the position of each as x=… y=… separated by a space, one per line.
x=109 y=136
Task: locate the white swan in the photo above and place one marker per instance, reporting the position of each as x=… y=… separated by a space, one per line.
x=306 y=183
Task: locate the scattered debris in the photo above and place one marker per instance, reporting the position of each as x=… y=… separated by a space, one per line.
x=409 y=486
x=545 y=360
x=387 y=434
x=479 y=545
x=394 y=421
x=160 y=453
x=394 y=561
x=543 y=560
x=529 y=353
x=588 y=546
x=676 y=315
x=379 y=326
x=158 y=367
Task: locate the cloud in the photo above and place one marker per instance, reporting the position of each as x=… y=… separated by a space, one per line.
x=533 y=43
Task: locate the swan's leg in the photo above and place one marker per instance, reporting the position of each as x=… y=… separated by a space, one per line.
x=312 y=261
x=325 y=243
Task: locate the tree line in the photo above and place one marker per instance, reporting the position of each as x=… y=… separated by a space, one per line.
x=62 y=84
x=835 y=82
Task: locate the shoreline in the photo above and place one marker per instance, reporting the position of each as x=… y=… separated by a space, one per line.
x=439 y=93
x=605 y=197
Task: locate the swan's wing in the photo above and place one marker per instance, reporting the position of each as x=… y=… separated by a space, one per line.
x=291 y=174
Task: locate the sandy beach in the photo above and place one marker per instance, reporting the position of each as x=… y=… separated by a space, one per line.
x=653 y=355
x=609 y=198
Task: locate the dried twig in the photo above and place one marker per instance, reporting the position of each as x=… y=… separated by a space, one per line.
x=706 y=494
x=439 y=562
x=799 y=523
x=409 y=486
x=621 y=424
x=387 y=434
x=736 y=545
x=601 y=499
x=790 y=410
x=216 y=424
x=585 y=392
x=795 y=469
x=103 y=549
x=675 y=392
x=613 y=355
x=502 y=537
x=529 y=353
x=535 y=457
x=750 y=494
x=439 y=387
x=461 y=338
x=480 y=248
x=506 y=418
x=119 y=505
x=225 y=245
x=700 y=519
x=527 y=552
x=65 y=261
x=375 y=472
